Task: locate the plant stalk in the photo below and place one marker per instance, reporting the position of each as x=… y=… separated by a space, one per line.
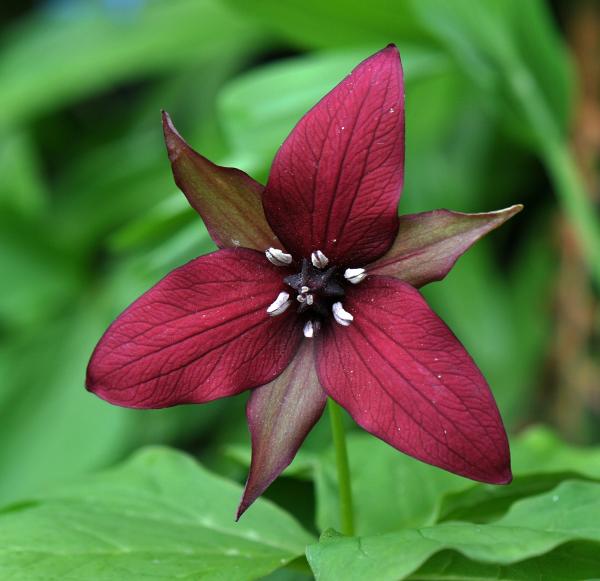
x=343 y=468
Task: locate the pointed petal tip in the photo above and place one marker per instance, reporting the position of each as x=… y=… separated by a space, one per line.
x=241 y=509
x=510 y=211
x=429 y=243
x=170 y=130
x=280 y=416
x=227 y=199
x=502 y=477
x=166 y=118
x=516 y=208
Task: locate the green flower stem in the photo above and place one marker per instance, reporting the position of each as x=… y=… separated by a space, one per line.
x=343 y=468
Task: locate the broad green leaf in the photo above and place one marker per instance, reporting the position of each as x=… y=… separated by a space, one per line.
x=533 y=527
x=540 y=461
x=393 y=491
x=66 y=53
x=570 y=562
x=158 y=516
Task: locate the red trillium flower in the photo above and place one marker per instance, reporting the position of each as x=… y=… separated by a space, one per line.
x=313 y=293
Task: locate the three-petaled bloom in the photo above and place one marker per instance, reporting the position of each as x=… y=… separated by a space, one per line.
x=314 y=294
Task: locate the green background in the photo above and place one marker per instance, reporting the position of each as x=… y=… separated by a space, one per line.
x=501 y=104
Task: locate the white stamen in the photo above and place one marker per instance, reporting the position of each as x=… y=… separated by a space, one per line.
x=310 y=299
x=309 y=330
x=279 y=305
x=318 y=259
x=301 y=298
x=355 y=275
x=278 y=257
x=341 y=315
x=304 y=289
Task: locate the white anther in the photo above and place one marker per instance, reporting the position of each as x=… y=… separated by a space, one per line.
x=301 y=298
x=341 y=315
x=278 y=257
x=310 y=299
x=304 y=289
x=279 y=305
x=318 y=259
x=355 y=275
x=309 y=330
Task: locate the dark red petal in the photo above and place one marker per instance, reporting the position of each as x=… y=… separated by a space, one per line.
x=336 y=181
x=280 y=415
x=200 y=334
x=429 y=244
x=228 y=200
x=404 y=377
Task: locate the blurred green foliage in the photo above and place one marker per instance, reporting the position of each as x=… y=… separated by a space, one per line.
x=90 y=216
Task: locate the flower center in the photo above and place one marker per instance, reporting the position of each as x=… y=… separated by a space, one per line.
x=318 y=290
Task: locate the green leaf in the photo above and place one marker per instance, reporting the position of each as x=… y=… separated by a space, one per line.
x=22 y=186
x=51 y=429
x=533 y=527
x=570 y=562
x=158 y=516
x=312 y=23
x=390 y=490
x=393 y=491
x=37 y=277
x=40 y=68
x=540 y=461
x=539 y=449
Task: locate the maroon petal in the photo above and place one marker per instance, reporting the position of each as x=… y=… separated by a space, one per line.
x=280 y=415
x=228 y=200
x=200 y=334
x=336 y=181
x=429 y=244
x=404 y=377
